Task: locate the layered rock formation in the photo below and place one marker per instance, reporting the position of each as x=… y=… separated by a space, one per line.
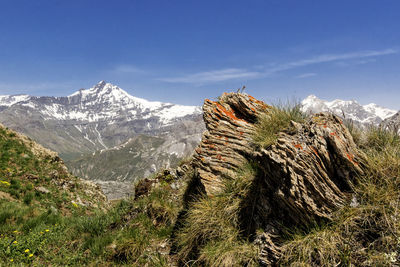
x=226 y=144
x=301 y=179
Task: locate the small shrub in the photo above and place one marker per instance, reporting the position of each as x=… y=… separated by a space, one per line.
x=28 y=197
x=15 y=184
x=28 y=187
x=94 y=225
x=14 y=193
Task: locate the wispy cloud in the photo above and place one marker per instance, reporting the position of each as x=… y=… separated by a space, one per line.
x=128 y=69
x=214 y=76
x=330 y=58
x=355 y=62
x=235 y=73
x=306 y=75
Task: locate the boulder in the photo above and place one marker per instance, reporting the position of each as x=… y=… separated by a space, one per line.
x=301 y=179
x=226 y=144
x=42 y=190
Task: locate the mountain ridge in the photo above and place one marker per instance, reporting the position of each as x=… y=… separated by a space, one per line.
x=103 y=118
x=116 y=102
x=350 y=109
x=91 y=119
x=392 y=123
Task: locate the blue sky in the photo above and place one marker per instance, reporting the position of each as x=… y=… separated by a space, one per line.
x=185 y=51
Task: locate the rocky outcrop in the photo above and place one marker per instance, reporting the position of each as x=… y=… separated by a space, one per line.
x=308 y=172
x=392 y=123
x=301 y=179
x=226 y=144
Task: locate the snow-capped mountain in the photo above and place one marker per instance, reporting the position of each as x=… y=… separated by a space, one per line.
x=105 y=134
x=104 y=101
x=392 y=123
x=9 y=100
x=97 y=118
x=364 y=114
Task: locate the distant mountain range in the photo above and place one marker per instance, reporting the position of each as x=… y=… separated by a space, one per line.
x=107 y=135
x=97 y=118
x=106 y=120
x=362 y=114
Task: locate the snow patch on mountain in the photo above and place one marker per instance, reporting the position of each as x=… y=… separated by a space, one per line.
x=9 y=100
x=350 y=109
x=392 y=123
x=102 y=102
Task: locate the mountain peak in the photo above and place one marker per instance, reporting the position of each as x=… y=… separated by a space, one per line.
x=368 y=114
x=312 y=97
x=100 y=89
x=102 y=83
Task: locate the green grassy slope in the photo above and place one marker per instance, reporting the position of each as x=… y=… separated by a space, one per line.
x=49 y=217
x=56 y=229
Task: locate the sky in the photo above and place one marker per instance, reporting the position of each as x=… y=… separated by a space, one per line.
x=185 y=51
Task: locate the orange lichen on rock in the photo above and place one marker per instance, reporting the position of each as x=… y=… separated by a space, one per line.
x=260 y=103
x=221 y=109
x=298 y=146
x=351 y=158
x=313 y=150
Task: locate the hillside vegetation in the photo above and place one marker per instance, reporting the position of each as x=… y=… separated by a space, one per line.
x=363 y=232
x=49 y=217
x=173 y=221
x=366 y=231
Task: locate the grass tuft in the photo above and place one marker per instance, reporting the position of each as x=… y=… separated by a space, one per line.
x=211 y=233
x=274 y=121
x=366 y=232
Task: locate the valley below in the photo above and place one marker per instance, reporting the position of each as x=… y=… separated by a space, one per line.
x=106 y=135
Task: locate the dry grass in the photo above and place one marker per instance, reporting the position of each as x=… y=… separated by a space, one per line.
x=211 y=233
x=274 y=121
x=367 y=232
